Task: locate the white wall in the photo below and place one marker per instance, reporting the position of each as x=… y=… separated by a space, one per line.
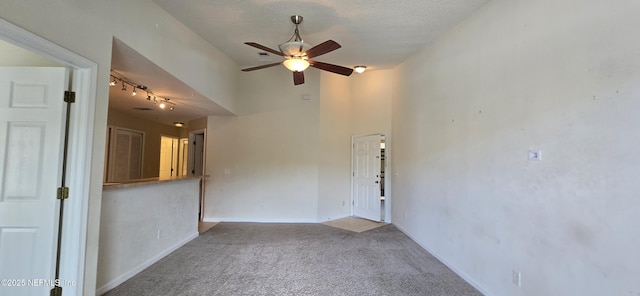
x=289 y=159
x=269 y=151
x=12 y=55
x=140 y=225
x=334 y=153
x=87 y=28
x=560 y=76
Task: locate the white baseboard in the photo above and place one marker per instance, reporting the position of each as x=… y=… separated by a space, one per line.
x=450 y=266
x=121 y=279
x=217 y=219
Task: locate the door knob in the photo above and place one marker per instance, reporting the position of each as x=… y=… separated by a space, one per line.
x=377 y=182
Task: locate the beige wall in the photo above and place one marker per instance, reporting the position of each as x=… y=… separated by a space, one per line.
x=196 y=124
x=289 y=159
x=560 y=76
x=269 y=151
x=164 y=216
x=87 y=28
x=517 y=75
x=334 y=154
x=371 y=100
x=152 y=133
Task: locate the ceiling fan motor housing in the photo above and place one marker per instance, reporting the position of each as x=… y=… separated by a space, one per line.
x=296 y=19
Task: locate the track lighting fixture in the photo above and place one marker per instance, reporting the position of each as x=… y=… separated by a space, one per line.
x=164 y=102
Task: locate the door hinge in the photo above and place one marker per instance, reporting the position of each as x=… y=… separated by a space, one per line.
x=69 y=96
x=56 y=291
x=63 y=192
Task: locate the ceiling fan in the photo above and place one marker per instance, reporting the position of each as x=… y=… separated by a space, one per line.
x=298 y=55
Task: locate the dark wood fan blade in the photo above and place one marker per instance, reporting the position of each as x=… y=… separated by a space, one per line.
x=298 y=78
x=322 y=48
x=332 y=68
x=259 y=46
x=261 y=67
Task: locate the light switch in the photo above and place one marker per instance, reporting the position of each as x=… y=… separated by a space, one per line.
x=535 y=154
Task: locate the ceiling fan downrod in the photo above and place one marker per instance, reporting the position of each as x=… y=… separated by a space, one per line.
x=295 y=46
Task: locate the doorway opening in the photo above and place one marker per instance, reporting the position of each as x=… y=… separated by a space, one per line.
x=369 y=187
x=182 y=156
x=196 y=152
x=196 y=162
x=169 y=157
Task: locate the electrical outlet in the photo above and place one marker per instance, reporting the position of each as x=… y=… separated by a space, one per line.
x=517 y=278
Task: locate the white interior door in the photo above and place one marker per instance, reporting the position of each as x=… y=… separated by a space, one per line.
x=31 y=130
x=366 y=177
x=184 y=148
x=168 y=157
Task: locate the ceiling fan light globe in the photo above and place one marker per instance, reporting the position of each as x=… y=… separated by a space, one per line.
x=293 y=48
x=296 y=64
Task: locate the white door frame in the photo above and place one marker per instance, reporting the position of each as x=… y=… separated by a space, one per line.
x=84 y=76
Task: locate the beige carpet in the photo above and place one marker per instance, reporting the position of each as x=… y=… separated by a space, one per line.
x=354 y=224
x=297 y=259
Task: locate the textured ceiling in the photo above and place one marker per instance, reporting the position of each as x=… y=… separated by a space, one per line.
x=377 y=33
